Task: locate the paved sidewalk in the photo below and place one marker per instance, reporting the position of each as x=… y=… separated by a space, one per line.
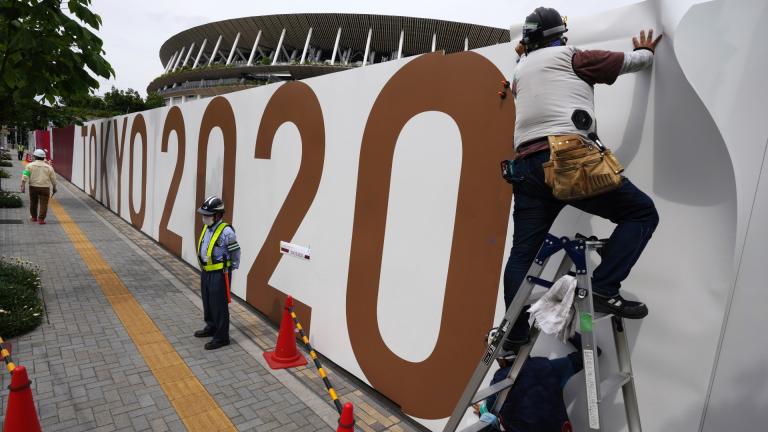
x=88 y=372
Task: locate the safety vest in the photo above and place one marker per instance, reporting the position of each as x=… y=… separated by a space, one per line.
x=210 y=265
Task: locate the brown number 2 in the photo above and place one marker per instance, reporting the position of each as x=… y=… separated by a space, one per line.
x=292 y=102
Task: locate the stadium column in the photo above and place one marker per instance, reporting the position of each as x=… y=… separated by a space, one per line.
x=170 y=62
x=279 y=46
x=255 y=47
x=178 y=59
x=306 y=46
x=367 y=46
x=336 y=46
x=200 y=53
x=234 y=46
x=189 y=53
x=400 y=46
x=215 y=50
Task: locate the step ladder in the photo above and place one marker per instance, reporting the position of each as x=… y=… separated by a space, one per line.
x=575 y=262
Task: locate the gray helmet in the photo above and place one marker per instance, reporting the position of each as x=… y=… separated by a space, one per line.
x=541 y=27
x=211 y=206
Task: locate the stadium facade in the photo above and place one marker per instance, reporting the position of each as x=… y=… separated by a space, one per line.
x=235 y=54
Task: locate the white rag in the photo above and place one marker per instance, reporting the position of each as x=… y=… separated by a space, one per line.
x=554 y=312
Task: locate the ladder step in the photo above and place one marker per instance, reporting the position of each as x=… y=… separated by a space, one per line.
x=492 y=390
x=475 y=427
x=612 y=384
x=599 y=316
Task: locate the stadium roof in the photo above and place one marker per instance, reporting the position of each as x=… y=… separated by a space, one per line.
x=450 y=36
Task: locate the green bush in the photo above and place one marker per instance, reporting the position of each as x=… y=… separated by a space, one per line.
x=4 y=174
x=9 y=200
x=21 y=309
x=5 y=163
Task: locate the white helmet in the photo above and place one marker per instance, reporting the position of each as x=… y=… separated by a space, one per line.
x=39 y=153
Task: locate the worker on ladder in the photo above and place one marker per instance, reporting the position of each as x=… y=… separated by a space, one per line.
x=553 y=87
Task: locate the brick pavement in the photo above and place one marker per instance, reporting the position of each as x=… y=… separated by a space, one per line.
x=87 y=373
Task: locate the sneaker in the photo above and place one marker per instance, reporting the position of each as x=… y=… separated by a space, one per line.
x=41 y=221
x=33 y=219
x=212 y=345
x=620 y=307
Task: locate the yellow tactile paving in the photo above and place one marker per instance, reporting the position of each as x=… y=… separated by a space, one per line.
x=194 y=405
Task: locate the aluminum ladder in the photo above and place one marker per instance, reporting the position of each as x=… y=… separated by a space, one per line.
x=576 y=257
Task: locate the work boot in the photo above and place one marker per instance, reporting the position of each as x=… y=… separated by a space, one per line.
x=203 y=333
x=519 y=333
x=214 y=344
x=617 y=305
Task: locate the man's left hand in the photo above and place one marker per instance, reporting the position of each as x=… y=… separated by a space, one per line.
x=646 y=42
x=520 y=49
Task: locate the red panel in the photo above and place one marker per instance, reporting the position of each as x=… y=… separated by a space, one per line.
x=63 y=147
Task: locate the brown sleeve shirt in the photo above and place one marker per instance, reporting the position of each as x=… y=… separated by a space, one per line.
x=603 y=67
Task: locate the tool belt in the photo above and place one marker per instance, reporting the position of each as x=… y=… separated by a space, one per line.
x=579 y=168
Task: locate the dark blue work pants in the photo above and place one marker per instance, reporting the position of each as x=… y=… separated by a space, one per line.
x=215 y=306
x=536 y=208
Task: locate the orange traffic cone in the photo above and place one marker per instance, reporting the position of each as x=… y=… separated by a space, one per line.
x=285 y=354
x=20 y=415
x=347 y=419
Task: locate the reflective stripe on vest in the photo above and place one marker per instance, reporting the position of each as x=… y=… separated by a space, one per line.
x=209 y=265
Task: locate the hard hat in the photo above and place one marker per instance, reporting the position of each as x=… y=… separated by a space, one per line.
x=541 y=27
x=212 y=205
x=39 y=153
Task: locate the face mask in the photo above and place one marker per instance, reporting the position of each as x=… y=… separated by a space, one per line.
x=208 y=220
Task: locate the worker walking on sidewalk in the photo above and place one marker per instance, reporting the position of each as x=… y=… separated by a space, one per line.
x=42 y=179
x=555 y=132
x=218 y=254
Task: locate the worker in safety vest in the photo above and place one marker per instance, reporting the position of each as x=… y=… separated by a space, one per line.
x=20 y=149
x=553 y=86
x=41 y=180
x=218 y=254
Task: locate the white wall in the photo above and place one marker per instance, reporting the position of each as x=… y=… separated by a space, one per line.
x=689 y=132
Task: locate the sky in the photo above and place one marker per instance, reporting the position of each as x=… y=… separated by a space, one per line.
x=133 y=31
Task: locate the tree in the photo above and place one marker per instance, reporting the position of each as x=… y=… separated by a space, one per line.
x=154 y=100
x=114 y=102
x=47 y=56
x=123 y=101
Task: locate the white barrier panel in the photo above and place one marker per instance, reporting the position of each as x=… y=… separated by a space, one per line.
x=389 y=175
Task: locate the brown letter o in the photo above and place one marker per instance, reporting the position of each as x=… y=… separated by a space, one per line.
x=139 y=127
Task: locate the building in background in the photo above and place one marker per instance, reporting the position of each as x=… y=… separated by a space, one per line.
x=235 y=54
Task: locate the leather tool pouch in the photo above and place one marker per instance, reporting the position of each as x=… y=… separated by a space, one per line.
x=579 y=169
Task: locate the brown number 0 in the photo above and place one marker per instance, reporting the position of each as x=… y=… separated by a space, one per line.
x=292 y=102
x=219 y=114
x=429 y=389
x=174 y=121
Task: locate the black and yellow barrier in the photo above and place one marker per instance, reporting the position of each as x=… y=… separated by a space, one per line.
x=6 y=356
x=313 y=354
